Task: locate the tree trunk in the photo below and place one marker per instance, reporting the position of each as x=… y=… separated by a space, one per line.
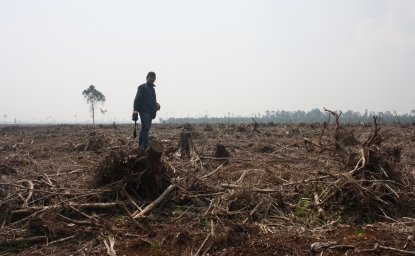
x=93 y=113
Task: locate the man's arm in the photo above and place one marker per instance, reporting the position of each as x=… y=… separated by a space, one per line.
x=137 y=103
x=138 y=99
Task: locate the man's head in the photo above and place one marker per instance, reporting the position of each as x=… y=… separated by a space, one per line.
x=151 y=77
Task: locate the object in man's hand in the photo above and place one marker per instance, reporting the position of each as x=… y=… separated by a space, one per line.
x=135 y=116
x=135 y=130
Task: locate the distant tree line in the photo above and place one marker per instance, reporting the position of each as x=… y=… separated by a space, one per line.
x=313 y=116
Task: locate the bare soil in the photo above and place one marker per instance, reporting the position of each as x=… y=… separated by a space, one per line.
x=281 y=189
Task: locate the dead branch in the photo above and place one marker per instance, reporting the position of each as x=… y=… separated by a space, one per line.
x=259 y=190
x=215 y=171
x=14 y=241
x=256 y=125
x=317 y=203
x=109 y=243
x=372 y=137
x=77 y=222
x=62 y=240
x=130 y=216
x=241 y=178
x=86 y=206
x=30 y=188
x=203 y=244
x=155 y=203
x=364 y=149
x=226 y=158
x=361 y=163
x=322 y=132
x=336 y=129
x=378 y=246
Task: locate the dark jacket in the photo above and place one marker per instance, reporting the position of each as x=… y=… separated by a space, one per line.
x=145 y=100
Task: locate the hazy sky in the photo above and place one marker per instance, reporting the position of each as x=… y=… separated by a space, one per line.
x=211 y=57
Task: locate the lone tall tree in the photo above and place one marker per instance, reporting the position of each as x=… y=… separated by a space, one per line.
x=93 y=97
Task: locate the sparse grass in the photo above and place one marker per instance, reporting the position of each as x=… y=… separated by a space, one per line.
x=119 y=219
x=359 y=232
x=177 y=211
x=301 y=210
x=155 y=248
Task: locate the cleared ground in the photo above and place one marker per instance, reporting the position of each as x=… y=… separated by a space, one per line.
x=283 y=190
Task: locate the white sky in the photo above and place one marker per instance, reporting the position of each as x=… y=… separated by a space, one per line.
x=211 y=57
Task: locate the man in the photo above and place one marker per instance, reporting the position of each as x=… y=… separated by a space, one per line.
x=146 y=106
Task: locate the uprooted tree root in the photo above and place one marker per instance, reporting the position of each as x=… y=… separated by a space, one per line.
x=135 y=174
x=375 y=189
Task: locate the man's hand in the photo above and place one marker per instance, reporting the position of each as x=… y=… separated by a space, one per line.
x=135 y=116
x=157 y=106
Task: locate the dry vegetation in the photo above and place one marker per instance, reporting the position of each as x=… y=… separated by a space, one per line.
x=321 y=189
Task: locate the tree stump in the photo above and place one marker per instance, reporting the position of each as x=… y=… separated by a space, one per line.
x=144 y=176
x=185 y=143
x=153 y=176
x=221 y=152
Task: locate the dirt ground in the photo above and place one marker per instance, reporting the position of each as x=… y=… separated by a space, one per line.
x=281 y=189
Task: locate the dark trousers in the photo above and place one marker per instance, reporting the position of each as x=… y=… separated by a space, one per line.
x=143 y=140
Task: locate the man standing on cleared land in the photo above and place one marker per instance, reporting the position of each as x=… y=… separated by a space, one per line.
x=146 y=106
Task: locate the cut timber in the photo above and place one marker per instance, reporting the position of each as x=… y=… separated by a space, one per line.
x=186 y=143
